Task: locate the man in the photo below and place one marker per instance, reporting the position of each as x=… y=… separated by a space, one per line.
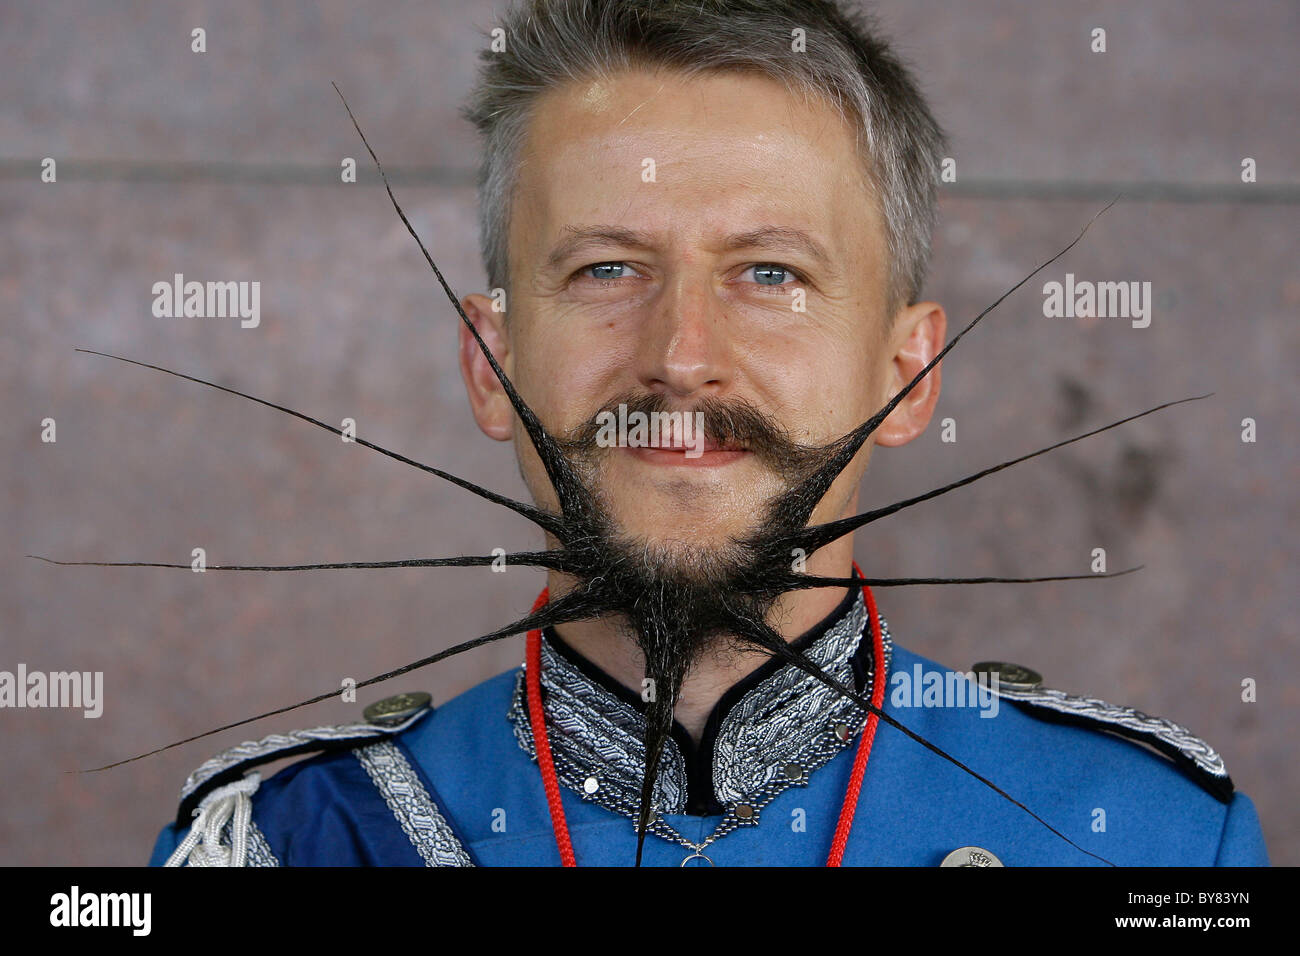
x=719 y=207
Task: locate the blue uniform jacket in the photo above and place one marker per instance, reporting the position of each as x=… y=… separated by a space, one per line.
x=464 y=766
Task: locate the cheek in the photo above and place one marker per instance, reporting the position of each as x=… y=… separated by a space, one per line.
x=820 y=388
x=847 y=395
x=567 y=375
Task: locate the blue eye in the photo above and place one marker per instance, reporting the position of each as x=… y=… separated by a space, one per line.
x=768 y=273
x=605 y=270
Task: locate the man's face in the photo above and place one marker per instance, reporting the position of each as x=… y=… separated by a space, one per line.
x=730 y=194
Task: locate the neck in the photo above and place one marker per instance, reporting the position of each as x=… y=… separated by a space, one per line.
x=603 y=642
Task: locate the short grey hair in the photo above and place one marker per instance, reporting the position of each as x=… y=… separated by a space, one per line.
x=845 y=62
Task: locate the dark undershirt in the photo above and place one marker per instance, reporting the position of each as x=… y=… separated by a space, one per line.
x=699 y=760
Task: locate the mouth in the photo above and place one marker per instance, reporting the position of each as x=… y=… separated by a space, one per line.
x=712 y=455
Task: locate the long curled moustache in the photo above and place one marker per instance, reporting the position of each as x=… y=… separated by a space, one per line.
x=726 y=593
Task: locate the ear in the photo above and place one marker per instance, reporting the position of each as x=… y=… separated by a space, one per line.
x=487 y=399
x=916 y=338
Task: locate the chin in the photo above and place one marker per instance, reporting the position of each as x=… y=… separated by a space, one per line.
x=667 y=509
x=695 y=531
x=688 y=559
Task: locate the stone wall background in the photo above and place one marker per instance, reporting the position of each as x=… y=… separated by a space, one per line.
x=224 y=165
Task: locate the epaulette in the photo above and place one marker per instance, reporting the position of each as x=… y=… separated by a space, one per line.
x=219 y=794
x=384 y=718
x=217 y=798
x=1189 y=753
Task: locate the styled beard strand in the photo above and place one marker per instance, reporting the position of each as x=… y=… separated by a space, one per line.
x=665 y=611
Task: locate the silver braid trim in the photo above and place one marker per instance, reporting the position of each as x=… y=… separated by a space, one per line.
x=418 y=815
x=259 y=851
x=1090 y=708
x=595 y=734
x=274 y=743
x=788 y=719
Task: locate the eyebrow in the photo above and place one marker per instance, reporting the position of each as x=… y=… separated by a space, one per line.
x=578 y=238
x=779 y=237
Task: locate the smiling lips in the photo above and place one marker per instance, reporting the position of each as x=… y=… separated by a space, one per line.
x=675 y=453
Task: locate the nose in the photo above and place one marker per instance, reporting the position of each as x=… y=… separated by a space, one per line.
x=684 y=346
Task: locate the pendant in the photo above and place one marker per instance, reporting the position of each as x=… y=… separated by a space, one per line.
x=697 y=855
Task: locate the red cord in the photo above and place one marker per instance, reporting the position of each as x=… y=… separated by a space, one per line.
x=868 y=733
x=537 y=718
x=551 y=784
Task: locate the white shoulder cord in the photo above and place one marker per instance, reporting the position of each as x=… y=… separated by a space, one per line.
x=202 y=845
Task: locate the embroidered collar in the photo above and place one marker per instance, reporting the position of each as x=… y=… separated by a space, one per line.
x=767 y=733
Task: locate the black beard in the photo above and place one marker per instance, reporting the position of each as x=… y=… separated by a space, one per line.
x=677 y=600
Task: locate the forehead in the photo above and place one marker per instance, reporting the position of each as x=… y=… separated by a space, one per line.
x=691 y=160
